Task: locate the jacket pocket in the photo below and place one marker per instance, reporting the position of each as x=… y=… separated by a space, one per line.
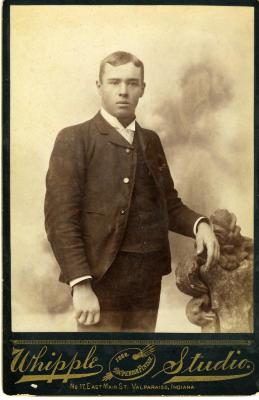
x=94 y=212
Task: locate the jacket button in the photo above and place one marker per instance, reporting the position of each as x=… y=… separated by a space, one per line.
x=122 y=212
x=127 y=151
x=126 y=180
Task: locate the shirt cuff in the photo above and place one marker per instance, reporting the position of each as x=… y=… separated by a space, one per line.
x=197 y=223
x=77 y=280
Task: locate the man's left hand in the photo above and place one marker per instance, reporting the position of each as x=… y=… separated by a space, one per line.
x=206 y=237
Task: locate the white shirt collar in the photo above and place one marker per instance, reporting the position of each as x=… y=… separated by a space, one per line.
x=113 y=121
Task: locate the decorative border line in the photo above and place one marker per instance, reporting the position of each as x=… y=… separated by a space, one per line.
x=131 y=342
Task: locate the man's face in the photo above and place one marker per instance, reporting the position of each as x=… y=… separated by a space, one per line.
x=120 y=90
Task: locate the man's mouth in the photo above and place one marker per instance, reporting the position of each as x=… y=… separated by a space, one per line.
x=122 y=102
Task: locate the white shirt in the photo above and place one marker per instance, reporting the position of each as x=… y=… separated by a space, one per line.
x=128 y=134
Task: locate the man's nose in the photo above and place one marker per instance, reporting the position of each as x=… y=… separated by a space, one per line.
x=123 y=89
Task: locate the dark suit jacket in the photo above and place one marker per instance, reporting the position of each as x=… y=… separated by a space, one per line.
x=87 y=201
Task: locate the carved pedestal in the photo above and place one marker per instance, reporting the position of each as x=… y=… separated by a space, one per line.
x=223 y=292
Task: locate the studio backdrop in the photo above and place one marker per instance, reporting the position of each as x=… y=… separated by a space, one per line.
x=199 y=99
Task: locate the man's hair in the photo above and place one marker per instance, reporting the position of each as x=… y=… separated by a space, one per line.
x=120 y=58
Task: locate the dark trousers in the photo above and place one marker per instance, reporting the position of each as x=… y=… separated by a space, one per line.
x=129 y=294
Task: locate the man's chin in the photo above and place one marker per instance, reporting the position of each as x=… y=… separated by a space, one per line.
x=125 y=114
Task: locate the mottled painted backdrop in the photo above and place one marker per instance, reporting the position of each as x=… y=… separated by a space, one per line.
x=199 y=98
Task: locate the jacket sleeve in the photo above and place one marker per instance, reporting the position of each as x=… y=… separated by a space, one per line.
x=63 y=204
x=181 y=218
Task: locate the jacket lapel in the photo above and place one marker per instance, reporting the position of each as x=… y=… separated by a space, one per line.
x=142 y=138
x=144 y=143
x=147 y=152
x=113 y=136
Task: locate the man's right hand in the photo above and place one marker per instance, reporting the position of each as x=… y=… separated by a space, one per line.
x=86 y=303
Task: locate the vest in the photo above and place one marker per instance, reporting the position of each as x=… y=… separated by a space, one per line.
x=146 y=230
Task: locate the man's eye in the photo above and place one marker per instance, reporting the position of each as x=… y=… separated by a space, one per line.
x=133 y=83
x=114 y=83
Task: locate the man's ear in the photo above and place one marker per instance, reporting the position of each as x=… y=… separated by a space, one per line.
x=143 y=88
x=98 y=85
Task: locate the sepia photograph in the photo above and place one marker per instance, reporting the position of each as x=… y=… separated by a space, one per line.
x=132 y=168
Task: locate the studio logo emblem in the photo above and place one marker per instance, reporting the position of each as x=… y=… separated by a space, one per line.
x=131 y=364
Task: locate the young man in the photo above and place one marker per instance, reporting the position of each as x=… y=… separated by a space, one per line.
x=109 y=204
